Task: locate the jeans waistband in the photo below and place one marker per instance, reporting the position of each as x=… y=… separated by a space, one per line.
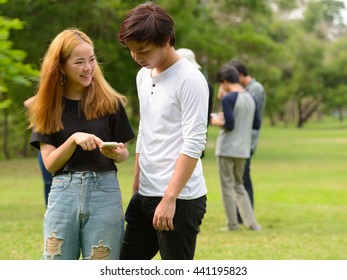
x=85 y=174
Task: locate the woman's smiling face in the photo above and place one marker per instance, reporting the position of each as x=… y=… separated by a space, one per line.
x=79 y=67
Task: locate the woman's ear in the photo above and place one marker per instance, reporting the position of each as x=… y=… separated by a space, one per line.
x=62 y=77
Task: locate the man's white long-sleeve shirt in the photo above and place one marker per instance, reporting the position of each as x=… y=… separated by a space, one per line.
x=173 y=118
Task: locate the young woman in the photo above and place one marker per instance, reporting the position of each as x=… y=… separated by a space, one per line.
x=75 y=110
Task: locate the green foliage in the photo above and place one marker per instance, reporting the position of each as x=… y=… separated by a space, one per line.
x=12 y=69
x=320 y=15
x=13 y=73
x=335 y=74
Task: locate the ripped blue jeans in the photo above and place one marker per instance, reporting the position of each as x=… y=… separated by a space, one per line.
x=84 y=217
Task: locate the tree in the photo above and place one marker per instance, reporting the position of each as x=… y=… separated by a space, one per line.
x=335 y=78
x=322 y=23
x=12 y=71
x=324 y=19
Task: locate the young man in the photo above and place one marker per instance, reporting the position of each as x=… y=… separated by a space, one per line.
x=257 y=90
x=169 y=199
x=234 y=145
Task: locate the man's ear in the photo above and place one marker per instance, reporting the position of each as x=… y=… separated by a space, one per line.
x=167 y=43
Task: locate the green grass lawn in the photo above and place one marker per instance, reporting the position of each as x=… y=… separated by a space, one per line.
x=300 y=182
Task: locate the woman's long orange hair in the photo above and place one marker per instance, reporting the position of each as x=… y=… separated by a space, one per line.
x=100 y=99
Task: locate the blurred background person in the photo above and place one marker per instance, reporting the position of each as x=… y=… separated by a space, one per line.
x=46 y=175
x=190 y=55
x=257 y=90
x=233 y=146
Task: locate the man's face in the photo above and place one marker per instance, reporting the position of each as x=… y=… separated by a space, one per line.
x=146 y=54
x=243 y=80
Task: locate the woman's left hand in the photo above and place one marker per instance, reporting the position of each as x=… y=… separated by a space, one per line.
x=118 y=154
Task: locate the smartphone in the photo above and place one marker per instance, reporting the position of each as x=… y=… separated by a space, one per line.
x=110 y=144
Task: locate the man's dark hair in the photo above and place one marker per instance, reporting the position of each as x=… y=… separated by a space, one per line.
x=147 y=22
x=239 y=66
x=228 y=73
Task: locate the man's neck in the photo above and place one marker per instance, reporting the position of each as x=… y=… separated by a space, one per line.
x=247 y=80
x=235 y=88
x=171 y=58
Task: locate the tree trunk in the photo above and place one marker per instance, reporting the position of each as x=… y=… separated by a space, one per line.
x=306 y=110
x=3 y=97
x=5 y=134
x=340 y=112
x=24 y=151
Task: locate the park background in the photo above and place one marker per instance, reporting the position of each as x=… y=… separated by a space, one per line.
x=296 y=48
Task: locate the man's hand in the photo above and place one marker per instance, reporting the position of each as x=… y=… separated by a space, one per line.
x=164 y=213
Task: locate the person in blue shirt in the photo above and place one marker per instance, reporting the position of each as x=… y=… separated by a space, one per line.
x=257 y=90
x=233 y=147
x=46 y=175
